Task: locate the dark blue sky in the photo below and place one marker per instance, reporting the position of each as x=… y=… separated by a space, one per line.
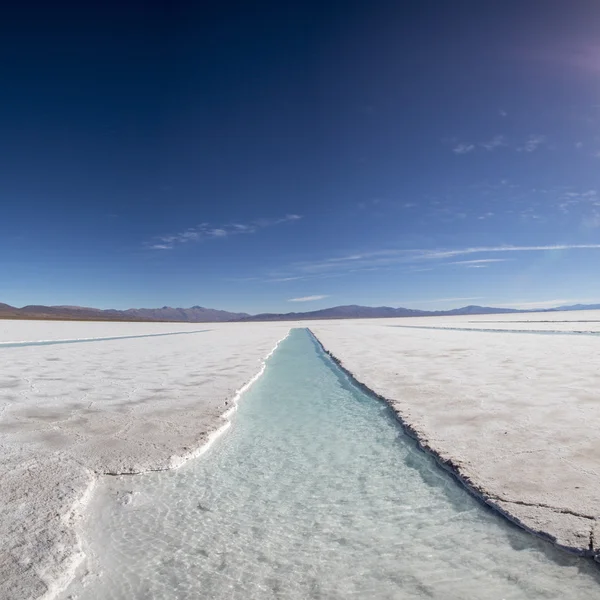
x=241 y=155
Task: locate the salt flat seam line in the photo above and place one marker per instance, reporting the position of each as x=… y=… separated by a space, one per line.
x=481 y=330
x=98 y=339
x=565 y=321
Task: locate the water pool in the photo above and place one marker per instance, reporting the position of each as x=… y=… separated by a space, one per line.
x=314 y=492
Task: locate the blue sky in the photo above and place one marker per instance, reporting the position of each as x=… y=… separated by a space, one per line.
x=277 y=158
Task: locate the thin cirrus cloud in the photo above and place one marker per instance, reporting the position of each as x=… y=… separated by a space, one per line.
x=490 y=145
x=463 y=148
x=308 y=298
x=281 y=279
x=206 y=231
x=480 y=263
x=496 y=142
x=572 y=199
x=477 y=262
x=531 y=144
x=382 y=259
x=433 y=254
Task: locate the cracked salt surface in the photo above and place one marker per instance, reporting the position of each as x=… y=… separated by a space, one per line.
x=315 y=492
x=70 y=412
x=515 y=416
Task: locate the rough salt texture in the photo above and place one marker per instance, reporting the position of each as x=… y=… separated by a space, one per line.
x=33 y=330
x=582 y=321
x=515 y=416
x=69 y=412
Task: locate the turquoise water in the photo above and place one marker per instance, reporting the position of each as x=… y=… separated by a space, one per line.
x=314 y=492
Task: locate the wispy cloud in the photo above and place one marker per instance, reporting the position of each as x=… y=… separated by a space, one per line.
x=206 y=231
x=463 y=148
x=382 y=259
x=280 y=279
x=532 y=143
x=308 y=298
x=571 y=199
x=496 y=142
x=490 y=145
x=479 y=261
x=433 y=254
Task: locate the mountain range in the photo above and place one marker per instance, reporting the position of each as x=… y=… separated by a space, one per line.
x=195 y=314
x=199 y=314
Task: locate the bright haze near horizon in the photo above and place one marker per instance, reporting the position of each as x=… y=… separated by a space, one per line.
x=278 y=156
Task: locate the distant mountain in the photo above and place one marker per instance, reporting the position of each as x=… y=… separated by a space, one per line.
x=579 y=307
x=199 y=314
x=195 y=314
x=478 y=310
x=8 y=311
x=340 y=312
x=374 y=312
